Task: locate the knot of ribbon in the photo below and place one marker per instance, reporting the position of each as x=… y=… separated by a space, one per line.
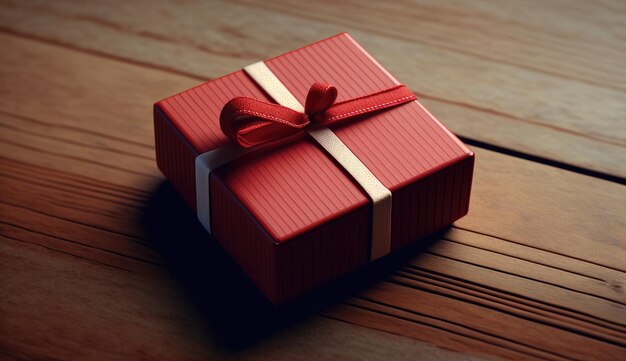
x=250 y=122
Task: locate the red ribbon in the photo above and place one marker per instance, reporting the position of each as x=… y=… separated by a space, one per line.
x=251 y=122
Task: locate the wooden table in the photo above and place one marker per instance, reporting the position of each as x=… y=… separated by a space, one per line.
x=99 y=259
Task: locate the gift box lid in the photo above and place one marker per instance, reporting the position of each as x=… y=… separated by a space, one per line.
x=296 y=187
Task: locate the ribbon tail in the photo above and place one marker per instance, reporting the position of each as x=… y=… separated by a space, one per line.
x=370 y=103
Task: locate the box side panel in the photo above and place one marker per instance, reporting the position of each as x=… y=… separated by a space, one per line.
x=432 y=203
x=175 y=157
x=468 y=173
x=323 y=254
x=242 y=237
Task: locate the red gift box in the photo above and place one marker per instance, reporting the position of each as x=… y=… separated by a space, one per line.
x=290 y=215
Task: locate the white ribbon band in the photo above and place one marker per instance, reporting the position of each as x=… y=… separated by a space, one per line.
x=205 y=164
x=380 y=195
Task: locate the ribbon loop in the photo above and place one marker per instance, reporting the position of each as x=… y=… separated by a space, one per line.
x=250 y=122
x=321 y=96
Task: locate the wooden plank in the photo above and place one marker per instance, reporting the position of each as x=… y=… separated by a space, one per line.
x=524 y=276
x=520 y=82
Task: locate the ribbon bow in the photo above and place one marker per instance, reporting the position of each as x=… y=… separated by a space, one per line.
x=251 y=122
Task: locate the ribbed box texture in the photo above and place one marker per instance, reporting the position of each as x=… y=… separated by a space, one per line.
x=290 y=216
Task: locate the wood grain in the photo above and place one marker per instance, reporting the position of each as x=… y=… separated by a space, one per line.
x=492 y=285
x=81 y=310
x=544 y=79
x=536 y=271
